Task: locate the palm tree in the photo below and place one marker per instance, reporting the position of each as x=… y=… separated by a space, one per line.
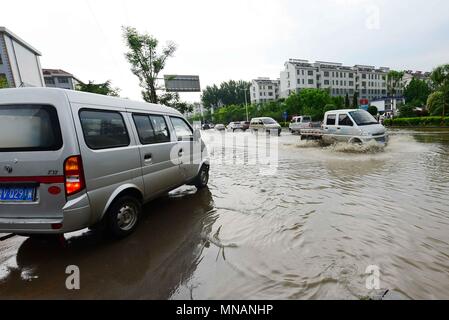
x=440 y=81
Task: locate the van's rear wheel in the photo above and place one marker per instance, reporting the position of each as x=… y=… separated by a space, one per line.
x=123 y=216
x=202 y=179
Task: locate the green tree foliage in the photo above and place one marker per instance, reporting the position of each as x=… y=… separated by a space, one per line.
x=173 y=100
x=355 y=101
x=440 y=81
x=146 y=62
x=229 y=93
x=3 y=82
x=312 y=102
x=373 y=110
x=407 y=111
x=99 y=88
x=435 y=104
x=416 y=93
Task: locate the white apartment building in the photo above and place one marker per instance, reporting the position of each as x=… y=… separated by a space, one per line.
x=264 y=90
x=409 y=75
x=19 y=62
x=369 y=82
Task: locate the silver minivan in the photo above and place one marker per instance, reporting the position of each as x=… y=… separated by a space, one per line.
x=71 y=160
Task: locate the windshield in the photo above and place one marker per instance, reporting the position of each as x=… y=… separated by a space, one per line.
x=363 y=118
x=306 y=119
x=269 y=121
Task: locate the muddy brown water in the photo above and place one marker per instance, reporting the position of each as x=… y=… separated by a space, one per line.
x=309 y=232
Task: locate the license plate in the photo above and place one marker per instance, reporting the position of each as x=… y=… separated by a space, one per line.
x=11 y=193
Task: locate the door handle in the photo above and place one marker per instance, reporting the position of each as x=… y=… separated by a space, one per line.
x=180 y=153
x=148 y=158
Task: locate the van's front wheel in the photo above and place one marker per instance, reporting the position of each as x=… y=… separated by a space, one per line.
x=202 y=179
x=123 y=216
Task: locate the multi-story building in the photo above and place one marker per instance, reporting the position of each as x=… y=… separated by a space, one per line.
x=367 y=81
x=19 y=62
x=264 y=90
x=56 y=78
x=409 y=75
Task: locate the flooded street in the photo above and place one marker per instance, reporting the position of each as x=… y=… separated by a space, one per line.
x=308 y=232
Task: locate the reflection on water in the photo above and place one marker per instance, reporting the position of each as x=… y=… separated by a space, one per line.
x=309 y=232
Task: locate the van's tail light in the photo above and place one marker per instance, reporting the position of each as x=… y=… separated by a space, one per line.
x=74 y=175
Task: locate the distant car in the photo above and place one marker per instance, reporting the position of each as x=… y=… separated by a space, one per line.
x=205 y=126
x=264 y=124
x=235 y=126
x=245 y=125
x=220 y=127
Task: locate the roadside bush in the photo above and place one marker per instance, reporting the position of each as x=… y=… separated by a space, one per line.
x=417 y=122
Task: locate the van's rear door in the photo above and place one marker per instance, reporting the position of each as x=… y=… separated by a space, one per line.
x=36 y=136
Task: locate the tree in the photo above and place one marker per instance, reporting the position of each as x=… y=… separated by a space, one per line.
x=407 y=111
x=229 y=93
x=394 y=82
x=417 y=92
x=173 y=100
x=373 y=110
x=99 y=88
x=347 y=103
x=146 y=62
x=440 y=81
x=435 y=104
x=3 y=82
x=355 y=100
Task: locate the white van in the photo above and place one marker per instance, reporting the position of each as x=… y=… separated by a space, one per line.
x=71 y=160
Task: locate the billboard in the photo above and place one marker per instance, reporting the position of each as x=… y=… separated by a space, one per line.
x=181 y=83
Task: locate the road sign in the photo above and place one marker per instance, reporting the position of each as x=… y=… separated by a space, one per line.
x=182 y=83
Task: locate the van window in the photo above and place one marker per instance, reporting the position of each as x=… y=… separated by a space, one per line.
x=331 y=119
x=345 y=121
x=144 y=129
x=29 y=128
x=160 y=129
x=103 y=129
x=306 y=119
x=182 y=129
x=151 y=129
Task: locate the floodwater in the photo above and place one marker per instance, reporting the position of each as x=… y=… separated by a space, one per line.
x=308 y=232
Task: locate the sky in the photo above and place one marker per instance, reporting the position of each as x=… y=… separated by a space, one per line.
x=231 y=39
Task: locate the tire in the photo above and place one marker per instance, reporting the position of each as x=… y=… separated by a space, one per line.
x=123 y=216
x=202 y=179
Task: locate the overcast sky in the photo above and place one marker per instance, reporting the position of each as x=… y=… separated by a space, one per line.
x=227 y=39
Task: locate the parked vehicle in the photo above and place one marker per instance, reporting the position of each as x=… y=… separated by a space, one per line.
x=205 y=126
x=220 y=127
x=301 y=122
x=235 y=126
x=245 y=125
x=71 y=160
x=265 y=124
x=353 y=126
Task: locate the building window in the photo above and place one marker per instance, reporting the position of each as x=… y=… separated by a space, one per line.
x=326 y=73
x=351 y=83
x=63 y=80
x=302 y=72
x=270 y=94
x=310 y=81
x=364 y=76
x=351 y=75
x=270 y=87
x=310 y=73
x=49 y=81
x=326 y=82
